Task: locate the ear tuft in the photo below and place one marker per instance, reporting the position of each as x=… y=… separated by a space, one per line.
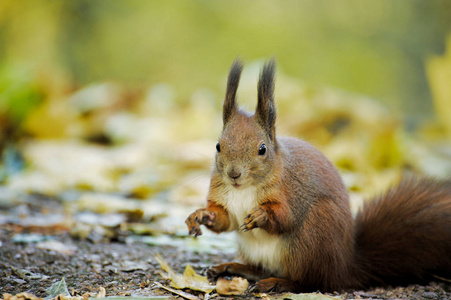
x=266 y=110
x=229 y=106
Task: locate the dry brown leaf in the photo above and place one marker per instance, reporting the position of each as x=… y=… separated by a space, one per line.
x=21 y=296
x=180 y=293
x=235 y=286
x=102 y=292
x=7 y=296
x=190 y=279
x=57 y=246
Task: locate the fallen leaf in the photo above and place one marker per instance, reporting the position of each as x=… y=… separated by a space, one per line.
x=7 y=296
x=102 y=292
x=130 y=266
x=97 y=227
x=58 y=288
x=28 y=275
x=57 y=246
x=190 y=279
x=38 y=223
x=21 y=296
x=235 y=286
x=28 y=237
x=106 y=220
x=66 y=297
x=107 y=203
x=180 y=293
x=143 y=229
x=19 y=281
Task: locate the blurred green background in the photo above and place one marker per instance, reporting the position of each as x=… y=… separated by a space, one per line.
x=356 y=78
x=377 y=48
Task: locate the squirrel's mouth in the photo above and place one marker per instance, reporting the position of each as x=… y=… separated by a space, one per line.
x=236 y=185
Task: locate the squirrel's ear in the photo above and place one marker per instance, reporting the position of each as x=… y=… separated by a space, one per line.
x=266 y=110
x=229 y=106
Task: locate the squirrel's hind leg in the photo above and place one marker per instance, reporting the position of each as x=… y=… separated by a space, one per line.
x=246 y=271
x=276 y=285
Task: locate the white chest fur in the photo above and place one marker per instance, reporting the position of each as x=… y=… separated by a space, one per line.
x=256 y=246
x=239 y=203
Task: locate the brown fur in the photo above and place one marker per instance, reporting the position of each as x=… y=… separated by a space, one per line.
x=404 y=236
x=401 y=237
x=229 y=107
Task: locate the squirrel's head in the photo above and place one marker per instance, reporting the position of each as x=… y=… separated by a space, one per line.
x=246 y=151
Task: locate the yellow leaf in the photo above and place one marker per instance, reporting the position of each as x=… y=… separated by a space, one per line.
x=190 y=279
x=235 y=286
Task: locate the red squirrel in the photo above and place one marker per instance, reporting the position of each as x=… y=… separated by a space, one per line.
x=292 y=215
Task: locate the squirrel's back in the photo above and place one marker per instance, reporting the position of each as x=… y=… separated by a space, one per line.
x=400 y=237
x=404 y=236
x=321 y=247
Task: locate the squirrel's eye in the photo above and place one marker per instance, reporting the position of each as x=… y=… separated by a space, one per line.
x=218 y=147
x=262 y=150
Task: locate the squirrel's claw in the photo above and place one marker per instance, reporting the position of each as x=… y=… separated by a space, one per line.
x=257 y=218
x=196 y=231
x=193 y=227
x=197 y=218
x=244 y=227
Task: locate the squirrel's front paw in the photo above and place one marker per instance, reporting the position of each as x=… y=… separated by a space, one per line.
x=200 y=217
x=256 y=218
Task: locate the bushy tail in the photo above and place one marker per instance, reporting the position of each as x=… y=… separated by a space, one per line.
x=404 y=236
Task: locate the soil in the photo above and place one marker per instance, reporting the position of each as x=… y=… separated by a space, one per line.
x=130 y=269
x=122 y=269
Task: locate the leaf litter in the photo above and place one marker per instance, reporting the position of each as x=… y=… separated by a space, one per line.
x=58 y=288
x=152 y=168
x=189 y=279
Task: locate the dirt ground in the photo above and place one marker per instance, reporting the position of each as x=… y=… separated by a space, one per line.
x=131 y=270
x=121 y=266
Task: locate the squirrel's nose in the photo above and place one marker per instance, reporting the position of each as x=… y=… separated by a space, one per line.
x=234 y=174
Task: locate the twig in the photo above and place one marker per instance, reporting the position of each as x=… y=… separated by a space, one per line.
x=177 y=292
x=442 y=278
